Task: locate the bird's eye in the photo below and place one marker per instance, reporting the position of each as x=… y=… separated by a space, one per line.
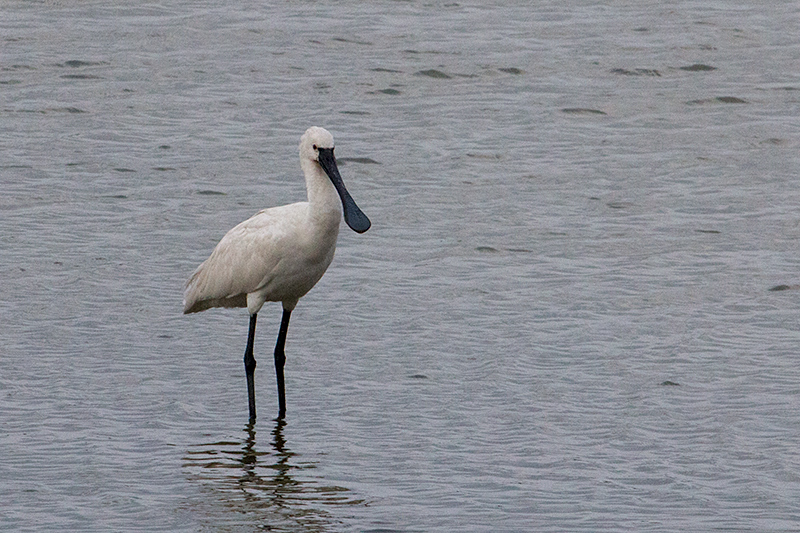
x=314 y=146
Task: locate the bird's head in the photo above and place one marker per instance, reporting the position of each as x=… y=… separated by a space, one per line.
x=316 y=145
x=314 y=140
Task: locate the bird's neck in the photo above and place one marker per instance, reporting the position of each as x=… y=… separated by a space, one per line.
x=322 y=196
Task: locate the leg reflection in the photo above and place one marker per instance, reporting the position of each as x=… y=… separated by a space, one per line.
x=275 y=463
x=270 y=487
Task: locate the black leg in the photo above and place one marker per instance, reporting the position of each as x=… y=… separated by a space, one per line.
x=280 y=359
x=250 y=367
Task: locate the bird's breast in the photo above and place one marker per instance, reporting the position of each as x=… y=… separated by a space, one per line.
x=305 y=255
x=319 y=244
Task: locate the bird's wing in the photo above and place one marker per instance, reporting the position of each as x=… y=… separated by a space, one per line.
x=243 y=260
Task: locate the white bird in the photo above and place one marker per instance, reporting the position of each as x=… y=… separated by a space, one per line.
x=279 y=254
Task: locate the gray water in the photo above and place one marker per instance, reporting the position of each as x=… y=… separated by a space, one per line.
x=561 y=319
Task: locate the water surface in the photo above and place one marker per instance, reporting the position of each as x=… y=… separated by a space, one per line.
x=560 y=320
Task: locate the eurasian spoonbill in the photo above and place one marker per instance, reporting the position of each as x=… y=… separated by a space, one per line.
x=279 y=254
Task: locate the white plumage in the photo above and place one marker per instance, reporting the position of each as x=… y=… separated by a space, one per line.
x=280 y=253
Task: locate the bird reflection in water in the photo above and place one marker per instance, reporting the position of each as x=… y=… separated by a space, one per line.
x=270 y=488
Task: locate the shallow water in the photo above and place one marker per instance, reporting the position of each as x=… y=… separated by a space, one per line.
x=560 y=320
